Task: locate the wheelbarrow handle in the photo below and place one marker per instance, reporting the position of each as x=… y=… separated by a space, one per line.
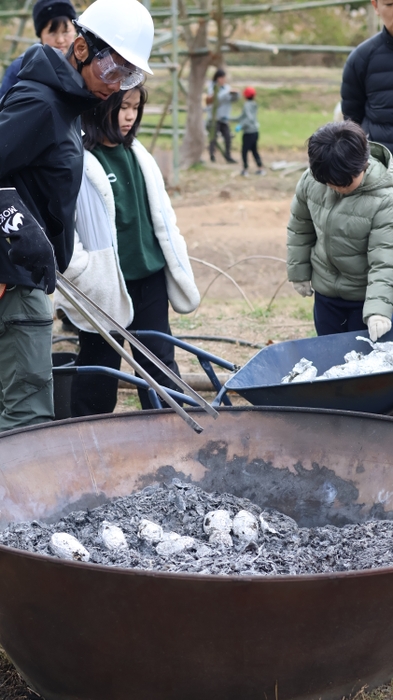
x=129 y=378
x=205 y=360
x=200 y=354
x=73 y=294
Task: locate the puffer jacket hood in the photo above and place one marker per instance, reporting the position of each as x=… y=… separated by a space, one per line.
x=48 y=66
x=41 y=152
x=379 y=173
x=344 y=243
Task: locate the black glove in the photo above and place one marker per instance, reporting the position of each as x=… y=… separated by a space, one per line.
x=29 y=246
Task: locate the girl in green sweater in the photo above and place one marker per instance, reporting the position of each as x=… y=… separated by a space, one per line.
x=129 y=255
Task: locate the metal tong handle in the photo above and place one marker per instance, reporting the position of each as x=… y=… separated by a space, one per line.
x=64 y=286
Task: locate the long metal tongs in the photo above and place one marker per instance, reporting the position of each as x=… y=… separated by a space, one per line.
x=78 y=299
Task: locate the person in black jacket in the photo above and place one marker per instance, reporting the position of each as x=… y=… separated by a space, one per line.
x=367 y=88
x=41 y=156
x=53 y=26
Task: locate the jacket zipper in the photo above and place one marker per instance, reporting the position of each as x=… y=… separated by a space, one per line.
x=29 y=322
x=333 y=268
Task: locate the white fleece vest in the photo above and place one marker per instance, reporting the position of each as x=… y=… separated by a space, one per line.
x=95 y=266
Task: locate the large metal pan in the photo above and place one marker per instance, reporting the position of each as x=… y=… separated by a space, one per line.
x=84 y=632
x=259 y=381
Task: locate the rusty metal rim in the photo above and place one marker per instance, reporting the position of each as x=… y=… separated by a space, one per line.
x=226 y=409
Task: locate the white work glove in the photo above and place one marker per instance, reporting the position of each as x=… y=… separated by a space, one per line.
x=303 y=288
x=378 y=325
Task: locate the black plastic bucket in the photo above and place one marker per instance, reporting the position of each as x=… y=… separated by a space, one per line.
x=62 y=384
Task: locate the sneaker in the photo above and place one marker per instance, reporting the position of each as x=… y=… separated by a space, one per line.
x=244 y=173
x=261 y=171
x=230 y=160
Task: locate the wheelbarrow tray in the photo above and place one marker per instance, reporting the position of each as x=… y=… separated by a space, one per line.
x=259 y=381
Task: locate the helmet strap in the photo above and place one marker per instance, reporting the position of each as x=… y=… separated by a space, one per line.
x=91 y=47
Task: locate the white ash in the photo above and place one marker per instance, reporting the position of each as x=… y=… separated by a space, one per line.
x=276 y=546
x=380 y=359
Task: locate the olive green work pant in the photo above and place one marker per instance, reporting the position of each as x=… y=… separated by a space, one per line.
x=26 y=385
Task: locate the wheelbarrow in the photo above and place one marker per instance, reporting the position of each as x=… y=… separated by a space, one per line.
x=64 y=369
x=259 y=381
x=92 y=632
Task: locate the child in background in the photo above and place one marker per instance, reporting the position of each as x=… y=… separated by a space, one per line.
x=129 y=255
x=340 y=233
x=249 y=125
x=53 y=26
x=225 y=97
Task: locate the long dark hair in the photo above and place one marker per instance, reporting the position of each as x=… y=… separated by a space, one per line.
x=102 y=122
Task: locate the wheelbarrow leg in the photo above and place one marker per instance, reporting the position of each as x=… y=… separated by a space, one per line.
x=206 y=366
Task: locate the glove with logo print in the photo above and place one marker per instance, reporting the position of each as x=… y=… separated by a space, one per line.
x=29 y=246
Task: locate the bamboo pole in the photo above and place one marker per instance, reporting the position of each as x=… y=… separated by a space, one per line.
x=240 y=10
x=175 y=95
x=241 y=47
x=276 y=48
x=15 y=40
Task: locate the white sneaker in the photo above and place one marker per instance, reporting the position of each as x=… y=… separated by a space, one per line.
x=244 y=173
x=261 y=171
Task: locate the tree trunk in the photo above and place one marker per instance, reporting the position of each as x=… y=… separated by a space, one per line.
x=195 y=136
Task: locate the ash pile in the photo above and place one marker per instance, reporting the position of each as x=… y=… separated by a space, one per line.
x=179 y=528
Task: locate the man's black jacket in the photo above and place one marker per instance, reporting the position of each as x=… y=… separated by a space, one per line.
x=41 y=152
x=367 y=88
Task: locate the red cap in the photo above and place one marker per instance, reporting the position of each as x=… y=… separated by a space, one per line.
x=249 y=92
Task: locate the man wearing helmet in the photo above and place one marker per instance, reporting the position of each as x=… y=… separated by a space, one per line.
x=41 y=160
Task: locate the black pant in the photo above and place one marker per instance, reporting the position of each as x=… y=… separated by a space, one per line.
x=336 y=315
x=249 y=143
x=224 y=130
x=94 y=394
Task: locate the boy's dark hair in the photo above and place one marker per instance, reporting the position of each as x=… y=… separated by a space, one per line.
x=220 y=73
x=102 y=122
x=338 y=152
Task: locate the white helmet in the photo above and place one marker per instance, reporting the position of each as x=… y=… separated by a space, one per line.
x=125 y=25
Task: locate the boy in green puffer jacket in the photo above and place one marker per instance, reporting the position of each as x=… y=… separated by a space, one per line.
x=340 y=232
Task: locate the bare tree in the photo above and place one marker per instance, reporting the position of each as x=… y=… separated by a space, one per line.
x=200 y=58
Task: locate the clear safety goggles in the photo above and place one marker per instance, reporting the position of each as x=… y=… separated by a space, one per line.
x=105 y=67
